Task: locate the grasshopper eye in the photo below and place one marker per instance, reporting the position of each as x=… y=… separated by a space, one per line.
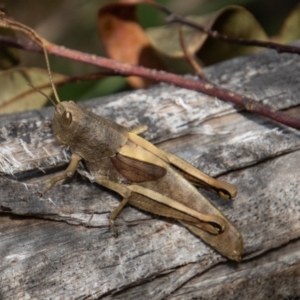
x=66 y=118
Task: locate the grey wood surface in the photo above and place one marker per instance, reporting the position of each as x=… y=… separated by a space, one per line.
x=60 y=246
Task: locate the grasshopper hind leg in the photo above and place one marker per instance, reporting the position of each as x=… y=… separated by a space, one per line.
x=120 y=189
x=114 y=215
x=139 y=129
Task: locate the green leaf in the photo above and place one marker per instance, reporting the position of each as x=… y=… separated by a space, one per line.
x=16 y=95
x=233 y=21
x=290 y=30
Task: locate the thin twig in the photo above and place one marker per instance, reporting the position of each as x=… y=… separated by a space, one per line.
x=280 y=48
x=174 y=18
x=190 y=58
x=86 y=77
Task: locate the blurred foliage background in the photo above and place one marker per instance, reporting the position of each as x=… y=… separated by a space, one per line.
x=72 y=23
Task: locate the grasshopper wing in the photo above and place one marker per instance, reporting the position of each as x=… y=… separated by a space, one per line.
x=195 y=176
x=137 y=164
x=136 y=170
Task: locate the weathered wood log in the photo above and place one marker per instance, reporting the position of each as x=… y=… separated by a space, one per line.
x=156 y=258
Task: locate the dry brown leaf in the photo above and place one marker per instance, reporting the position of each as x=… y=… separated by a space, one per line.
x=125 y=40
x=16 y=95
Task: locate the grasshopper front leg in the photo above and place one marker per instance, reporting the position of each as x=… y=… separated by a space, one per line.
x=68 y=173
x=120 y=189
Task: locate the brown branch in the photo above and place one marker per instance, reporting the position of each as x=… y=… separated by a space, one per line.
x=173 y=18
x=199 y=85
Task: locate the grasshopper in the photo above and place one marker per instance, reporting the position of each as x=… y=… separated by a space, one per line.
x=145 y=176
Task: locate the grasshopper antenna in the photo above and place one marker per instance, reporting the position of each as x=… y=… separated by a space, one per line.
x=50 y=76
x=42 y=93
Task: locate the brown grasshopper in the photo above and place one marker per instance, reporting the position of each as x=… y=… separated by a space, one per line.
x=145 y=176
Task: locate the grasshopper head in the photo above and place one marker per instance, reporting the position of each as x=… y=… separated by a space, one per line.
x=65 y=121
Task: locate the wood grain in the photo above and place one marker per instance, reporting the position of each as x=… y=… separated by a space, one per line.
x=60 y=246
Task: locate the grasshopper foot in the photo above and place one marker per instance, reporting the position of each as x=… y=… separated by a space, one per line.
x=52 y=182
x=113 y=227
x=68 y=173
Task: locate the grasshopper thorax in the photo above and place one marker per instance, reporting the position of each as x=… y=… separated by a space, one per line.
x=88 y=135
